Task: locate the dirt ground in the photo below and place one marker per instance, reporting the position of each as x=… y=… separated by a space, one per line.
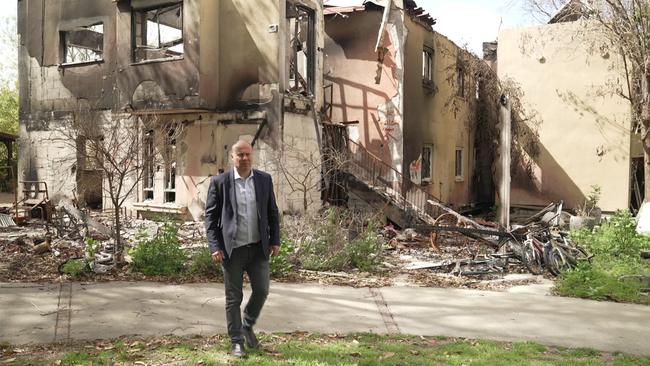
x=409 y=259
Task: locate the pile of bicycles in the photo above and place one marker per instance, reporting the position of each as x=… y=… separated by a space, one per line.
x=543 y=248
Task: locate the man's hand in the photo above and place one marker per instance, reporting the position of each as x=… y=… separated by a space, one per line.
x=275 y=250
x=218 y=256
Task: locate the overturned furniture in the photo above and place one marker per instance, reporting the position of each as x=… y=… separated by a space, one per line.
x=35 y=202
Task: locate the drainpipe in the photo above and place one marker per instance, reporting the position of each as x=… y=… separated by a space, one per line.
x=504 y=152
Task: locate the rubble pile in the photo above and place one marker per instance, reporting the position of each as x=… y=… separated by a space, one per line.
x=539 y=245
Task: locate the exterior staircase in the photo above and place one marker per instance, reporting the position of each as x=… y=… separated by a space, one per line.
x=405 y=202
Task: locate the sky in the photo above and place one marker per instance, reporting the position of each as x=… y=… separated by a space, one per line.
x=8 y=55
x=472 y=22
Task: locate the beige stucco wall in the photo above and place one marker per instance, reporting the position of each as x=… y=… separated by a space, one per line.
x=420 y=115
x=351 y=68
x=439 y=118
x=205 y=148
x=565 y=72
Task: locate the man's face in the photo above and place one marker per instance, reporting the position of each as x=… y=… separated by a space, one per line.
x=242 y=157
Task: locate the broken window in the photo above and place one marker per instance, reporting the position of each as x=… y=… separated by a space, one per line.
x=158 y=32
x=427 y=65
x=300 y=25
x=83 y=44
x=427 y=162
x=149 y=167
x=460 y=82
x=459 y=164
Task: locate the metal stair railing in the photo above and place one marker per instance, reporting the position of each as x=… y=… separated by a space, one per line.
x=404 y=193
x=389 y=182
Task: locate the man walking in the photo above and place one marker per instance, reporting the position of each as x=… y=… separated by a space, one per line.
x=243 y=229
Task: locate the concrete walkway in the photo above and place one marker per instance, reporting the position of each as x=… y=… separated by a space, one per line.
x=37 y=313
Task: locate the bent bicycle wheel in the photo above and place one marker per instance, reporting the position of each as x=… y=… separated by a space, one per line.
x=533 y=259
x=556 y=261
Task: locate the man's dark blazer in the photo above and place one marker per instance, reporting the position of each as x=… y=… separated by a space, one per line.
x=221 y=212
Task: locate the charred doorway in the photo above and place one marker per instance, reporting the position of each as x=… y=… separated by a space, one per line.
x=89 y=175
x=335 y=147
x=637 y=184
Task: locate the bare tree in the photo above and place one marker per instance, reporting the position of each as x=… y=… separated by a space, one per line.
x=626 y=24
x=303 y=169
x=543 y=10
x=114 y=145
x=111 y=146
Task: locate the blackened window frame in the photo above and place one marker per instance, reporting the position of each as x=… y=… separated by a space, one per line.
x=428 y=55
x=459 y=164
x=148 y=179
x=63 y=47
x=311 y=46
x=460 y=82
x=134 y=31
x=429 y=166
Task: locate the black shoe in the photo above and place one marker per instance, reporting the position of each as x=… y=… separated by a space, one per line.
x=237 y=350
x=249 y=336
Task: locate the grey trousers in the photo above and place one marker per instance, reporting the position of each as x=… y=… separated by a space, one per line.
x=249 y=259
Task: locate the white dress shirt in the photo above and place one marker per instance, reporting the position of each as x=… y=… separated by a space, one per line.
x=247 y=219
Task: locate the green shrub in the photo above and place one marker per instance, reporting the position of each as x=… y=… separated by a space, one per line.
x=320 y=251
x=616 y=247
x=92 y=247
x=328 y=248
x=75 y=267
x=280 y=265
x=364 y=252
x=161 y=255
x=615 y=239
x=203 y=265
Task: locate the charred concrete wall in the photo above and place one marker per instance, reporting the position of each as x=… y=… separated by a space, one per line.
x=47 y=87
x=438 y=115
x=228 y=76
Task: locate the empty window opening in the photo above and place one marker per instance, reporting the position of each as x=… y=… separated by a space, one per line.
x=158 y=33
x=83 y=44
x=170 y=167
x=460 y=82
x=427 y=162
x=300 y=21
x=459 y=164
x=427 y=65
x=149 y=166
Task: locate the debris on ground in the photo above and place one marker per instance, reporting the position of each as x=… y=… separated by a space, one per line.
x=448 y=254
x=537 y=246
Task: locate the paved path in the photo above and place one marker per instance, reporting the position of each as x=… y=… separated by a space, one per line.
x=37 y=313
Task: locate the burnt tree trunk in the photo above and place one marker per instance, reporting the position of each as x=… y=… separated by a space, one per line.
x=644 y=108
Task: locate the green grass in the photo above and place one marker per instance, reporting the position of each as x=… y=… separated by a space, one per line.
x=313 y=349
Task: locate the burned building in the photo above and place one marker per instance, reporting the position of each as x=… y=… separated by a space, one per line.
x=187 y=77
x=406 y=94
